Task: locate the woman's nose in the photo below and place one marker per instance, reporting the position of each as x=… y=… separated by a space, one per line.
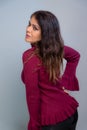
x=29 y=28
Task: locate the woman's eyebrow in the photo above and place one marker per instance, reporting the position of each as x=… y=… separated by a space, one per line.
x=35 y=25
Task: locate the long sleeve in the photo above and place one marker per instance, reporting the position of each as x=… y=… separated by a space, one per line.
x=69 y=79
x=30 y=78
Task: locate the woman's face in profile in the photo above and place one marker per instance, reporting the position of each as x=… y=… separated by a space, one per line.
x=33 y=31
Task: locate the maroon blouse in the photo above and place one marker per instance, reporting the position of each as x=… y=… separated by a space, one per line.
x=47 y=102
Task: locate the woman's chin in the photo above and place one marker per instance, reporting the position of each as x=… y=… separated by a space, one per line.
x=27 y=40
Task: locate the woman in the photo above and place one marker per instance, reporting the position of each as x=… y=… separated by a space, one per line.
x=49 y=103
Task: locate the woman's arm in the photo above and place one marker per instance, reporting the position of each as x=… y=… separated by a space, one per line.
x=69 y=79
x=30 y=78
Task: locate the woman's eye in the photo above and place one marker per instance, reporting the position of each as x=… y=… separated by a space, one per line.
x=35 y=28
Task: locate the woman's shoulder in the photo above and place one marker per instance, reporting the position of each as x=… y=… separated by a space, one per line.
x=28 y=51
x=30 y=56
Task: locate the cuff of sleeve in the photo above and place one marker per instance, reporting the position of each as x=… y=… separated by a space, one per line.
x=70 y=83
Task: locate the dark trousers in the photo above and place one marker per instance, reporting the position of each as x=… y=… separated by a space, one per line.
x=68 y=124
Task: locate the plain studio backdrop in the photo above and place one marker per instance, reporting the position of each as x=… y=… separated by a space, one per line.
x=14 y=17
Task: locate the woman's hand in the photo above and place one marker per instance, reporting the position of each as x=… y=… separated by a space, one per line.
x=65 y=90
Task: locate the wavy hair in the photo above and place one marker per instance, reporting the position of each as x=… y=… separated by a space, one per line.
x=50 y=48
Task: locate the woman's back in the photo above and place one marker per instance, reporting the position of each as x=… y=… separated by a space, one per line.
x=55 y=104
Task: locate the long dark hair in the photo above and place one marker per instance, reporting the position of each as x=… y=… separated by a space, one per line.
x=50 y=48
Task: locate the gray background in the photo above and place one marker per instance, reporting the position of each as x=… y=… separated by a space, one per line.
x=14 y=16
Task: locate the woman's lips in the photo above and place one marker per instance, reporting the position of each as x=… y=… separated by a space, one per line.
x=27 y=36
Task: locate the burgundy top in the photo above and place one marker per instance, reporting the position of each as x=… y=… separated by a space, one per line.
x=47 y=102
